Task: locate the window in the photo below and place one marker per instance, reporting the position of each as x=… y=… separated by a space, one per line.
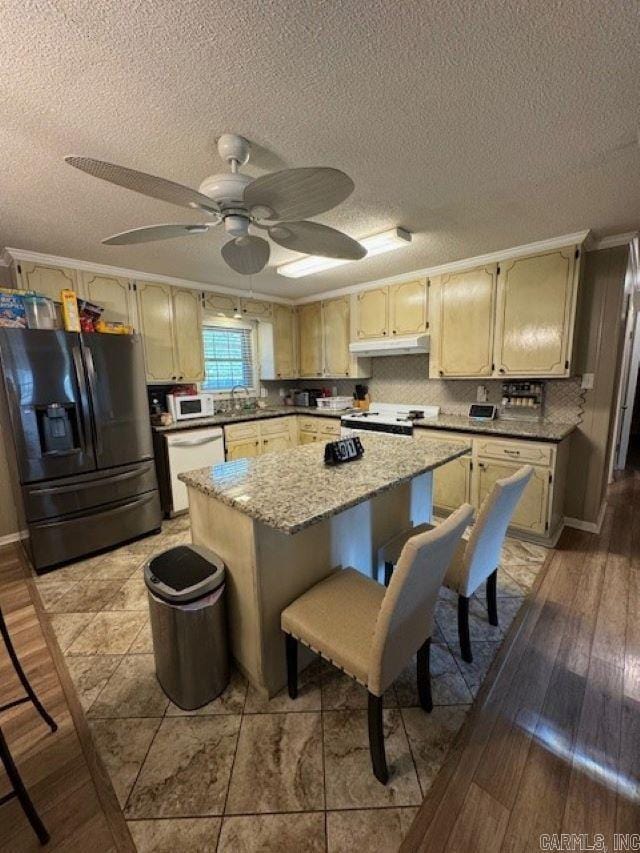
x=228 y=357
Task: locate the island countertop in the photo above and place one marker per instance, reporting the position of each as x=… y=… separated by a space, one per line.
x=292 y=490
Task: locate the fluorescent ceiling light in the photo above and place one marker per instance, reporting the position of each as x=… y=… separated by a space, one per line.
x=387 y=241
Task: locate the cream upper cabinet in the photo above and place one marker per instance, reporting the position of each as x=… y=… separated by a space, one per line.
x=531 y=512
x=222 y=304
x=310 y=334
x=408 y=307
x=187 y=333
x=45 y=279
x=284 y=343
x=256 y=308
x=462 y=316
x=113 y=293
x=535 y=314
x=335 y=332
x=372 y=313
x=155 y=313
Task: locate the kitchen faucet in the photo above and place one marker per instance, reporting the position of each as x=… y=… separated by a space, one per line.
x=235 y=405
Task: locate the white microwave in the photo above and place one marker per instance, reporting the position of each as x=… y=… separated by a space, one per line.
x=185 y=406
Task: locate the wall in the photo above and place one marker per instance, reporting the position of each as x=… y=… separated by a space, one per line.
x=599 y=329
x=5 y=276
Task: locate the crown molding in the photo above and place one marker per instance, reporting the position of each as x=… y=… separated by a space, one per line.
x=455 y=266
x=593 y=244
x=11 y=255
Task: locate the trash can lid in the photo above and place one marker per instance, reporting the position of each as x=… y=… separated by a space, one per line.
x=184 y=574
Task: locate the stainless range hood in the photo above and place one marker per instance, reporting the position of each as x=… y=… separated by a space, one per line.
x=396 y=345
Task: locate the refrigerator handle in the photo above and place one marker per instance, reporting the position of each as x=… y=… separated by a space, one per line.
x=77 y=363
x=91 y=377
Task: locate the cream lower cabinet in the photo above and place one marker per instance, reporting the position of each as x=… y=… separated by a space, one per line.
x=470 y=478
x=254 y=438
x=316 y=429
x=171 y=324
x=278 y=434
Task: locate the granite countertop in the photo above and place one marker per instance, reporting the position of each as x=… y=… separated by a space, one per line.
x=290 y=491
x=225 y=418
x=541 y=430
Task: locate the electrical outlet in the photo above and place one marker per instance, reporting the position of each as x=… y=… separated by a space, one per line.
x=482 y=395
x=587 y=381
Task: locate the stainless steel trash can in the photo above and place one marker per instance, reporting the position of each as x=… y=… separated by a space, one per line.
x=188 y=624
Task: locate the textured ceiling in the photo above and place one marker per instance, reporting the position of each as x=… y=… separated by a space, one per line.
x=477 y=126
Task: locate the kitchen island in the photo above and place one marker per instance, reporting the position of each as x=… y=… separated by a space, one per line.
x=283 y=521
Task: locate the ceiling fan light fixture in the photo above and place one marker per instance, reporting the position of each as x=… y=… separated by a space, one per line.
x=376 y=244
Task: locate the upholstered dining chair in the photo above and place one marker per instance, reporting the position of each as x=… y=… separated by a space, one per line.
x=371 y=633
x=477 y=559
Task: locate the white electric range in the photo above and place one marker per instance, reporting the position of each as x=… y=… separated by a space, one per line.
x=393 y=418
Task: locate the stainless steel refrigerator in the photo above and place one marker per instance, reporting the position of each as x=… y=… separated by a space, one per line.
x=79 y=415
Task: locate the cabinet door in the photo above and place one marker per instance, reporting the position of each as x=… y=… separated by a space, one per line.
x=284 y=341
x=256 y=308
x=222 y=304
x=408 y=307
x=187 y=331
x=335 y=334
x=47 y=280
x=452 y=484
x=310 y=331
x=273 y=443
x=535 y=312
x=243 y=449
x=305 y=437
x=113 y=293
x=462 y=310
x=155 y=314
x=531 y=512
x=372 y=319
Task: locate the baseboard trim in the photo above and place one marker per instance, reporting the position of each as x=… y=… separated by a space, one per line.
x=13 y=537
x=588 y=526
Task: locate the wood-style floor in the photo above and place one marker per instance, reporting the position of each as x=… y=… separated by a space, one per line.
x=61 y=771
x=553 y=742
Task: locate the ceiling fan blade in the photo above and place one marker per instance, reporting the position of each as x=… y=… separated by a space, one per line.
x=155 y=232
x=311 y=238
x=298 y=193
x=246 y=255
x=140 y=182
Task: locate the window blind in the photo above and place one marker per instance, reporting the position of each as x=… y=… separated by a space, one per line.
x=228 y=358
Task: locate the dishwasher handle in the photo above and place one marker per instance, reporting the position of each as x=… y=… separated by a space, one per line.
x=196 y=442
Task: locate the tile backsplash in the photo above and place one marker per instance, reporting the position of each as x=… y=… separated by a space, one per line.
x=404 y=379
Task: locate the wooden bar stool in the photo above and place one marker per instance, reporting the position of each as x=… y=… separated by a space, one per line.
x=477 y=559
x=18 y=788
x=372 y=633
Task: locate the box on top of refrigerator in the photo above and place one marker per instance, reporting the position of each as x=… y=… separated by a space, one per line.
x=12 y=309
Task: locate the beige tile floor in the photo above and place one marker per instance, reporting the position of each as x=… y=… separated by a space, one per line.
x=242 y=773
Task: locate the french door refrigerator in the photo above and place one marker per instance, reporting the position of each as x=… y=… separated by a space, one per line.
x=78 y=409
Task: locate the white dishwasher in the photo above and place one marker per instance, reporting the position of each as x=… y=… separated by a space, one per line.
x=187 y=450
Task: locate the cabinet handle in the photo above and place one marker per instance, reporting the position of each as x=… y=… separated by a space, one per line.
x=257 y=443
x=384 y=332
x=501 y=370
x=394 y=332
x=481 y=465
x=441 y=373
x=512 y=452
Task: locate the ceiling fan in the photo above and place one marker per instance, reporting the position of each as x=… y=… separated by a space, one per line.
x=282 y=199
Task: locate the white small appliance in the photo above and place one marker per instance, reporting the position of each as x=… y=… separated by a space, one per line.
x=392 y=418
x=189 y=449
x=185 y=406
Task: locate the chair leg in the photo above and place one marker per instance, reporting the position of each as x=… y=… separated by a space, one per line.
x=492 y=597
x=376 y=739
x=463 y=629
x=424 y=676
x=388 y=571
x=23 y=678
x=291 y=645
x=20 y=792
